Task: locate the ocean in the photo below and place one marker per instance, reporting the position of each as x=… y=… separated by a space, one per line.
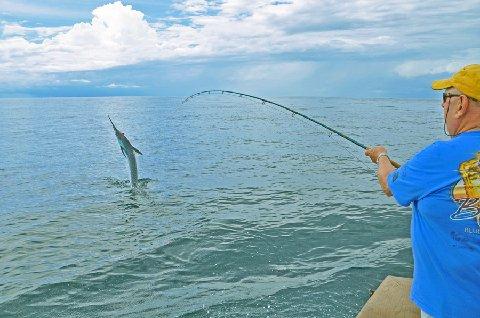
x=243 y=210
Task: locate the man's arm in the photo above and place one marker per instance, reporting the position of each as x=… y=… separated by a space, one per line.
x=379 y=156
x=384 y=169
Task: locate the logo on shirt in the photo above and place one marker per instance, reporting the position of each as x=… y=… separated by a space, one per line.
x=467 y=191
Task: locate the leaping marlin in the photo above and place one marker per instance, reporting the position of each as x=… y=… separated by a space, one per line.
x=129 y=152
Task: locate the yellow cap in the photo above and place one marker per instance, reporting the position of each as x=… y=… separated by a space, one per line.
x=467 y=80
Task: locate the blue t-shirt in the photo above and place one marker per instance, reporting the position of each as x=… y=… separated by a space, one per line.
x=442 y=182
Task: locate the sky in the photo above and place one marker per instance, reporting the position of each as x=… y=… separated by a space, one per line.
x=350 y=48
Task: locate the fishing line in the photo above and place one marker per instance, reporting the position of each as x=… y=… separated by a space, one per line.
x=249 y=102
x=333 y=137
x=294 y=112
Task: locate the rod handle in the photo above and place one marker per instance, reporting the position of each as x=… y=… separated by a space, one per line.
x=394 y=163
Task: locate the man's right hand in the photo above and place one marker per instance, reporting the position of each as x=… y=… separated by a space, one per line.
x=374 y=152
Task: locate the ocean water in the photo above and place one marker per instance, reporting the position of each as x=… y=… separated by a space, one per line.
x=243 y=210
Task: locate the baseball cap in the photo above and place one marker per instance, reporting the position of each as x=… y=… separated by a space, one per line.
x=467 y=80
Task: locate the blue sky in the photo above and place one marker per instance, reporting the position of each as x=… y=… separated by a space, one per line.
x=354 y=48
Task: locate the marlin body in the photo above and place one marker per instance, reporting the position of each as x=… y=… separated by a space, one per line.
x=128 y=151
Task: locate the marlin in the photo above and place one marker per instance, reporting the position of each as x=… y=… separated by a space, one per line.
x=128 y=151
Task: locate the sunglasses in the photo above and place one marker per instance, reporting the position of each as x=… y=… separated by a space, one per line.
x=447 y=95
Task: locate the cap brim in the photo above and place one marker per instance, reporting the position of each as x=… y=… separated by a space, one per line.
x=442 y=84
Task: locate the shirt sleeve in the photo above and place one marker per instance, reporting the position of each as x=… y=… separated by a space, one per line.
x=418 y=177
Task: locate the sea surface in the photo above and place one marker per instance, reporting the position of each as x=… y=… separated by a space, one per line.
x=243 y=210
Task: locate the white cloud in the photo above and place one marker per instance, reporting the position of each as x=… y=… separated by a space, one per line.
x=452 y=64
x=194 y=6
x=81 y=80
x=119 y=35
x=427 y=67
x=114 y=85
x=270 y=71
x=13 y=29
x=16 y=29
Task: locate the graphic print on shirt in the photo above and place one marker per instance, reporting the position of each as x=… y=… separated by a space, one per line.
x=466 y=193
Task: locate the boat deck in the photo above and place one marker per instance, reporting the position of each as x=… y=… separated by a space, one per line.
x=391 y=299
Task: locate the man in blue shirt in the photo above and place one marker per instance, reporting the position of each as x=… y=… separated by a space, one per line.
x=442 y=183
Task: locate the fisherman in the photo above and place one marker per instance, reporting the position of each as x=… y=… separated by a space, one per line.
x=442 y=182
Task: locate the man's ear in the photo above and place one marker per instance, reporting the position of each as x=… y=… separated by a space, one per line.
x=462 y=107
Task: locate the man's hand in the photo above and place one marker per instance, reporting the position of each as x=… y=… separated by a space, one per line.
x=374 y=152
x=384 y=166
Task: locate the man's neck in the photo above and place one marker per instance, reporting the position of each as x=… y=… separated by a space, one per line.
x=471 y=127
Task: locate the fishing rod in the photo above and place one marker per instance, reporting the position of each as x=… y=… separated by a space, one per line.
x=263 y=100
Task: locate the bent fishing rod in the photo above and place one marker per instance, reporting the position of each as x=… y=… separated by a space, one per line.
x=263 y=100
